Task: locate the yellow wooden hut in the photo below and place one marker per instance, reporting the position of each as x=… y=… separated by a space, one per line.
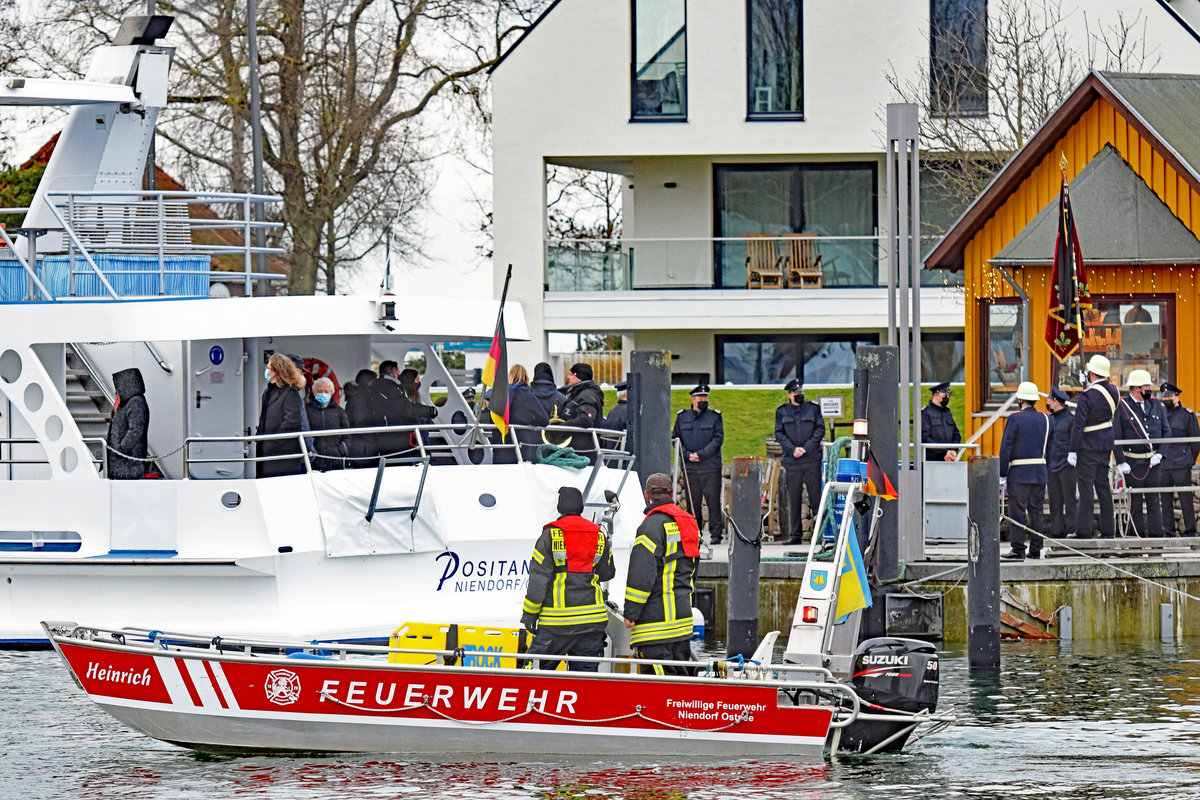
x=1132 y=148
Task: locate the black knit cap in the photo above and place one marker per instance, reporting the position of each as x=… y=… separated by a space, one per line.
x=570 y=500
x=582 y=371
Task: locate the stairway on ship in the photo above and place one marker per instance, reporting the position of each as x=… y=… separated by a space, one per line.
x=89 y=403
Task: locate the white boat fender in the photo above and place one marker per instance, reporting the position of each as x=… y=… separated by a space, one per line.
x=697 y=623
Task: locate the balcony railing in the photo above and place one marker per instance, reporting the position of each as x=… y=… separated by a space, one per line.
x=758 y=262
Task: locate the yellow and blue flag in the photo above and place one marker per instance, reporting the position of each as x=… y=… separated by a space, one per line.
x=853 y=591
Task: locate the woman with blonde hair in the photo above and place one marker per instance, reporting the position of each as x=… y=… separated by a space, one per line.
x=524 y=408
x=282 y=407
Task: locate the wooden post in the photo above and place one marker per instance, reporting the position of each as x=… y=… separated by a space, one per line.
x=745 y=510
x=983 y=564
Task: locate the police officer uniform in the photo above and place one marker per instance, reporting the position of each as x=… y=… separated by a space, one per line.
x=658 y=587
x=1145 y=419
x=700 y=431
x=1023 y=466
x=1091 y=448
x=1178 y=460
x=937 y=425
x=564 y=603
x=1060 y=479
x=799 y=425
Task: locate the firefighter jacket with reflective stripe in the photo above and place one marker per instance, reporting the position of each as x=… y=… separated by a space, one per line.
x=662 y=565
x=570 y=560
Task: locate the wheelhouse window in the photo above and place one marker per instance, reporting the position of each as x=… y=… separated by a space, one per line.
x=782 y=200
x=1132 y=333
x=659 y=60
x=774 y=59
x=1003 y=336
x=777 y=358
x=958 y=69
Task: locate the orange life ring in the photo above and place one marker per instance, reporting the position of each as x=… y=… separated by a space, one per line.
x=315 y=368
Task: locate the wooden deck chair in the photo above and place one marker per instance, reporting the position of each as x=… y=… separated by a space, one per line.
x=764 y=263
x=770 y=487
x=802 y=262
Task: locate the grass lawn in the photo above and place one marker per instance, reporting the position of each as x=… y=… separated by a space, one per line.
x=750 y=413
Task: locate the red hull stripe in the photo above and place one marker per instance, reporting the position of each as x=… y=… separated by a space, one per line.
x=187 y=682
x=216 y=686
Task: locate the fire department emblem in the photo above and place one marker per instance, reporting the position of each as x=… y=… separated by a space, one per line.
x=817 y=579
x=283 y=687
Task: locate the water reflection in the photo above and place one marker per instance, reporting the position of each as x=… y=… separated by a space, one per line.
x=1061 y=720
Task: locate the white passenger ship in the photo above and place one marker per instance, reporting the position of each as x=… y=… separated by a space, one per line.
x=103 y=275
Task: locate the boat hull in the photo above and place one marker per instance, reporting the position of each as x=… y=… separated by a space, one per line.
x=225 y=702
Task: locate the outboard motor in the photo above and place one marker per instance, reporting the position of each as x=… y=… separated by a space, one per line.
x=890 y=674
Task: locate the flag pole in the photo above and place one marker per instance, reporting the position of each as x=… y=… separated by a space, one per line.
x=479 y=399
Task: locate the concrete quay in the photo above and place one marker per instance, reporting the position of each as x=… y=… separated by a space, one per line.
x=1115 y=587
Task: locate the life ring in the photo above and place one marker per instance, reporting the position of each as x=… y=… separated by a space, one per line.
x=315 y=368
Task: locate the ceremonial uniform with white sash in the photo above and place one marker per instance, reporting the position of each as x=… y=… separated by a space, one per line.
x=1092 y=442
x=1141 y=419
x=1023 y=464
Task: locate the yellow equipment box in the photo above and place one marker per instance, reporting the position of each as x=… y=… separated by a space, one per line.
x=481 y=646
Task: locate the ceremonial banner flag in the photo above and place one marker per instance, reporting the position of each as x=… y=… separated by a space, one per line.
x=853 y=591
x=1069 y=295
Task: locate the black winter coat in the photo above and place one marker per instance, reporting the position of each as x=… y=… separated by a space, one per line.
x=1060 y=440
x=392 y=407
x=552 y=400
x=799 y=425
x=701 y=433
x=524 y=408
x=584 y=409
x=281 y=410
x=362 y=448
x=331 y=450
x=618 y=418
x=128 y=431
x=1181 y=423
x=938 y=427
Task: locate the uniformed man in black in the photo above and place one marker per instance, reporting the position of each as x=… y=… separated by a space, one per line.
x=1060 y=474
x=1023 y=469
x=618 y=418
x=700 y=432
x=799 y=429
x=1139 y=416
x=938 y=426
x=1178 y=460
x=1091 y=448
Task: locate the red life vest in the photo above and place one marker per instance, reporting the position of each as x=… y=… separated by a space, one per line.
x=576 y=543
x=689 y=531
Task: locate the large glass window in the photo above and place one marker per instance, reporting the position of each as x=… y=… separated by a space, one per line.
x=774 y=59
x=659 y=59
x=943 y=357
x=777 y=200
x=777 y=358
x=958 y=69
x=1132 y=332
x=1003 y=336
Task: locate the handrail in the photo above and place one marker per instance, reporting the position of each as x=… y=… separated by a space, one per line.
x=29 y=271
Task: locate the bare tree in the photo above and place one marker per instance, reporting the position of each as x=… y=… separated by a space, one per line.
x=582 y=203
x=993 y=81
x=344 y=85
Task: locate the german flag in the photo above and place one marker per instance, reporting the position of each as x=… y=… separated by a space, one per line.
x=878 y=483
x=495 y=376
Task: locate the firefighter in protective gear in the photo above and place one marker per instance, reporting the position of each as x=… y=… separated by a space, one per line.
x=564 y=604
x=658 y=589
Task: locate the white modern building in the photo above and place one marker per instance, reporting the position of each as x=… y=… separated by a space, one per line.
x=749 y=135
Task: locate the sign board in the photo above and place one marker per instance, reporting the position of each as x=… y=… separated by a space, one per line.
x=831 y=406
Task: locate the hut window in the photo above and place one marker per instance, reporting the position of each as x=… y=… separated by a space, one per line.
x=1132 y=332
x=1002 y=337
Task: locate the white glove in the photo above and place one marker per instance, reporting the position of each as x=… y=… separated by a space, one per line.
x=1124 y=468
x=1156 y=459
x=1072 y=458
x=1003 y=483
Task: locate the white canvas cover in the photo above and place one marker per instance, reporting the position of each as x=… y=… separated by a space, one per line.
x=343 y=497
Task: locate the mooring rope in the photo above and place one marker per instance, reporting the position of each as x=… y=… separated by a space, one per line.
x=1062 y=543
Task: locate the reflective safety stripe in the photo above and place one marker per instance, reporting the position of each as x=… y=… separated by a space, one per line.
x=537 y=556
x=560 y=590
x=1026 y=462
x=661 y=631
x=668 y=584
x=531 y=607
x=636 y=595
x=646 y=542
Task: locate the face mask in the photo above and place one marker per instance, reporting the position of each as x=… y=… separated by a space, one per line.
x=322 y=398
x=797 y=399
x=702 y=405
x=1168 y=402
x=1149 y=395
x=944 y=402
x=267 y=374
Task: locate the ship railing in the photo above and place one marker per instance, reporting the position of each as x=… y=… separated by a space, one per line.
x=156 y=232
x=94 y=444
x=436 y=443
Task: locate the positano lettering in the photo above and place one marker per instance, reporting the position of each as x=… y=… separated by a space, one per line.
x=485 y=575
